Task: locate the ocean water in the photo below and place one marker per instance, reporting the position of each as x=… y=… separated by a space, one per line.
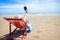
x=31 y=13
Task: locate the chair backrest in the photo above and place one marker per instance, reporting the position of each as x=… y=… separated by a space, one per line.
x=19 y=23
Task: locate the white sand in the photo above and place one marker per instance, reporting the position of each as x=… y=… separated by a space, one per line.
x=45 y=27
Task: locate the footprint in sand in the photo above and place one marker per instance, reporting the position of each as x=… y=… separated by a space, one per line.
x=38 y=31
x=36 y=37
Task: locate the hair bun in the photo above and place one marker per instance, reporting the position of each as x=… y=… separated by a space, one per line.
x=25 y=8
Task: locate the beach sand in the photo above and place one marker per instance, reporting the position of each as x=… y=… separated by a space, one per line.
x=44 y=27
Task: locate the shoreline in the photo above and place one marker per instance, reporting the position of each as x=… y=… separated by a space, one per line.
x=28 y=14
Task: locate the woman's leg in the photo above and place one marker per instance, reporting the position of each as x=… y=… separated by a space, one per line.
x=29 y=26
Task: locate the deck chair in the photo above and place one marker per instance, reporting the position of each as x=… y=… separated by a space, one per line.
x=18 y=23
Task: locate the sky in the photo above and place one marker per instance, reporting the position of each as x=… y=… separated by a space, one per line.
x=34 y=6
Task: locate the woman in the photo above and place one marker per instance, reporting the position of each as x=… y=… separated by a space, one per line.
x=27 y=22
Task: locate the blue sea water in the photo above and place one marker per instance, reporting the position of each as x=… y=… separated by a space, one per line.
x=31 y=13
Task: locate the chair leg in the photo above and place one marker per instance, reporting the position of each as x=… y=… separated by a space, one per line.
x=13 y=30
x=10 y=29
x=22 y=37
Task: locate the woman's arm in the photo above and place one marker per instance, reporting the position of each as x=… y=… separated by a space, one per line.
x=25 y=16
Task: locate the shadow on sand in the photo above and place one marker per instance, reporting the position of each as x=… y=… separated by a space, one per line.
x=16 y=34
